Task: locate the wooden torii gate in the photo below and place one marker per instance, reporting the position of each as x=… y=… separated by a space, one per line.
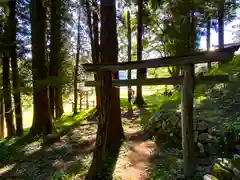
x=188 y=81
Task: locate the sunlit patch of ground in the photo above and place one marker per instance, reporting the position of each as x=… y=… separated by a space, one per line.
x=69 y=156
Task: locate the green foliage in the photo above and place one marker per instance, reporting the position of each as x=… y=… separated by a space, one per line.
x=124 y=103
x=60 y=176
x=68 y=121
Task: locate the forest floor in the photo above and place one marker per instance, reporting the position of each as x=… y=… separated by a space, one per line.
x=70 y=157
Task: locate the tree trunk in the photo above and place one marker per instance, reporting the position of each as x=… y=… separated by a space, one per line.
x=42 y=121
x=209 y=40
x=77 y=65
x=221 y=24
x=110 y=131
x=55 y=61
x=51 y=95
x=96 y=55
x=94 y=40
x=1 y=115
x=15 y=76
x=58 y=102
x=7 y=96
x=6 y=82
x=130 y=110
x=141 y=73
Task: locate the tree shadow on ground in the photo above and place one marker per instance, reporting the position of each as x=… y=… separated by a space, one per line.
x=33 y=160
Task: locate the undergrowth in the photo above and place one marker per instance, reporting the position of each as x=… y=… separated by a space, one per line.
x=216 y=103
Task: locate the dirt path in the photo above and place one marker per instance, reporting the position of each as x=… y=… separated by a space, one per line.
x=135 y=163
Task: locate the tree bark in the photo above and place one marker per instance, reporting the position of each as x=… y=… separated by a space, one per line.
x=42 y=121
x=209 y=39
x=6 y=82
x=130 y=110
x=77 y=65
x=94 y=40
x=221 y=24
x=51 y=96
x=110 y=131
x=7 y=96
x=141 y=73
x=1 y=115
x=96 y=55
x=58 y=102
x=15 y=76
x=55 y=60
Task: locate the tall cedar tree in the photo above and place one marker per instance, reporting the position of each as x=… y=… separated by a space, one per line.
x=77 y=63
x=221 y=24
x=130 y=110
x=110 y=132
x=209 y=39
x=6 y=80
x=2 y=116
x=55 y=60
x=141 y=73
x=92 y=21
x=96 y=52
x=14 y=65
x=42 y=120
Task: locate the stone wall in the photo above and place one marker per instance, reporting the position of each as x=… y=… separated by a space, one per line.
x=165 y=127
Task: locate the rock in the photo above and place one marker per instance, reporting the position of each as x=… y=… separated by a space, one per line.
x=159 y=125
x=225 y=163
x=194 y=125
x=205 y=169
x=175 y=120
x=201 y=147
x=195 y=136
x=236 y=173
x=204 y=137
x=221 y=172
x=209 y=177
x=211 y=130
x=237 y=148
x=236 y=156
x=155 y=117
x=205 y=162
x=164 y=125
x=235 y=162
x=169 y=126
x=179 y=124
x=216 y=132
x=202 y=126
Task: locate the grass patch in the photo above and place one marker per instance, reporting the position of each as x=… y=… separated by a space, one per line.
x=70 y=120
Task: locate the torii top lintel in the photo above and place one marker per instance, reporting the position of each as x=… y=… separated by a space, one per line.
x=225 y=54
